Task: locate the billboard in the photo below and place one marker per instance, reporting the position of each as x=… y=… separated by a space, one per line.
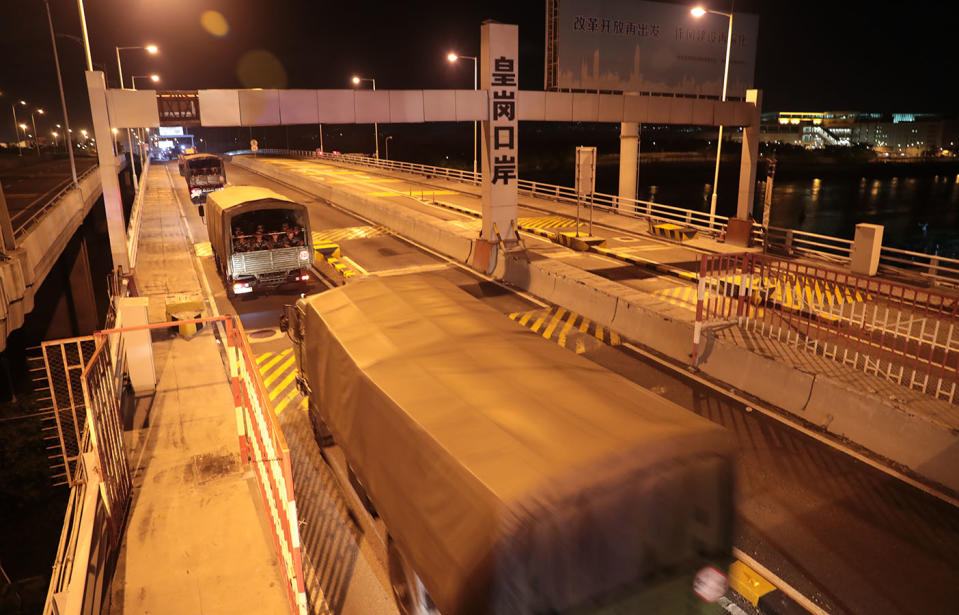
x=654 y=47
x=170 y=131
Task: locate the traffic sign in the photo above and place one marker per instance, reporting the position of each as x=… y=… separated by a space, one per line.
x=253 y=145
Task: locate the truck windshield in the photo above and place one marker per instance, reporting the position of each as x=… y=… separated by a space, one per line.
x=267 y=230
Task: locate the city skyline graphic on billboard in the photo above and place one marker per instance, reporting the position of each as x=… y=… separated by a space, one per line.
x=638 y=46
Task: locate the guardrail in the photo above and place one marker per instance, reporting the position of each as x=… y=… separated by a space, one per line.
x=906 y=334
x=100 y=494
x=136 y=216
x=24 y=225
x=788 y=242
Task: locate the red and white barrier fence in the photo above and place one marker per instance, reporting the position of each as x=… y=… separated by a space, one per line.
x=907 y=334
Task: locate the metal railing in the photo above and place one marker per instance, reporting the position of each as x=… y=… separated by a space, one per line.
x=906 y=334
x=100 y=494
x=778 y=240
x=24 y=225
x=136 y=216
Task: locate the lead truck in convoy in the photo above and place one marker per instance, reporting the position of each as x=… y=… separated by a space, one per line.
x=260 y=239
x=512 y=476
x=204 y=174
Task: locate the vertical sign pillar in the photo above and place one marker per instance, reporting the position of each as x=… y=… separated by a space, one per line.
x=116 y=225
x=750 y=156
x=628 y=162
x=499 y=60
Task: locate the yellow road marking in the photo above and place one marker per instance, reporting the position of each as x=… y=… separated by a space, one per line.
x=274 y=361
x=569 y=325
x=282 y=385
x=282 y=404
x=584 y=326
x=614 y=338
x=263 y=357
x=279 y=371
x=598 y=332
x=525 y=318
x=557 y=318
x=580 y=346
x=539 y=322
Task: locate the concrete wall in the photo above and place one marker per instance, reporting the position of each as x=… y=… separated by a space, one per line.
x=24 y=269
x=886 y=427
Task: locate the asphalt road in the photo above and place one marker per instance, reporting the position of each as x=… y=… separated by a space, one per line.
x=28 y=188
x=846 y=535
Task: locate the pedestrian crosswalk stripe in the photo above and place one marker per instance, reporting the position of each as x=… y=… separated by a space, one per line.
x=276 y=359
x=282 y=384
x=547 y=323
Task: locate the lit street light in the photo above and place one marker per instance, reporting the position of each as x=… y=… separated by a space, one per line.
x=698 y=12
x=151 y=49
x=452 y=57
x=376 y=134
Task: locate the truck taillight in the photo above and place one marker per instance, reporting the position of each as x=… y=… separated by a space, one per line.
x=304 y=277
x=304 y=255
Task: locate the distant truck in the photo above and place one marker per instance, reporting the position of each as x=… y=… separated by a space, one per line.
x=512 y=476
x=203 y=173
x=260 y=239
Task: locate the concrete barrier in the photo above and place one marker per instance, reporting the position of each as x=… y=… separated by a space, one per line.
x=25 y=268
x=880 y=425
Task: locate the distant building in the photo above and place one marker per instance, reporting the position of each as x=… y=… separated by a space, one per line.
x=892 y=134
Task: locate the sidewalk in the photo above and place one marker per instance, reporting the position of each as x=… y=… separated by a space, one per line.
x=196 y=539
x=910 y=428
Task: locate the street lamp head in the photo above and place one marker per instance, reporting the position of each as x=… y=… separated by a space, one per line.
x=698 y=11
x=40 y=111
x=152 y=48
x=83 y=132
x=356 y=80
x=23 y=126
x=54 y=133
x=59 y=126
x=114 y=130
x=23 y=103
x=154 y=78
x=452 y=57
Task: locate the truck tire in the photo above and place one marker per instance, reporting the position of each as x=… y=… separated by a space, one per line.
x=408 y=591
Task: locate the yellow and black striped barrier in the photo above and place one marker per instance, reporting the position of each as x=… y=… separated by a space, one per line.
x=759 y=592
x=672 y=231
x=329 y=262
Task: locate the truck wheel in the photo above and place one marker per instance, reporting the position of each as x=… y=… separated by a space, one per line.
x=408 y=590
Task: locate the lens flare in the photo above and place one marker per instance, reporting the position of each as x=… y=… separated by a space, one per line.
x=260 y=69
x=215 y=23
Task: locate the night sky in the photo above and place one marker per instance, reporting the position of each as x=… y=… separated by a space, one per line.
x=813 y=55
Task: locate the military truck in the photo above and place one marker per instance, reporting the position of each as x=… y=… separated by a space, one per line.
x=512 y=476
x=260 y=239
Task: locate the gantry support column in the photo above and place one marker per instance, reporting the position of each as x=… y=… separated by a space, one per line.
x=499 y=76
x=740 y=227
x=628 y=161
x=112 y=203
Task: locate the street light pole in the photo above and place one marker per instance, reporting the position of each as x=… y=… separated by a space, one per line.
x=16 y=129
x=387 y=141
x=86 y=37
x=36 y=135
x=63 y=100
x=699 y=12
x=452 y=57
x=376 y=134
